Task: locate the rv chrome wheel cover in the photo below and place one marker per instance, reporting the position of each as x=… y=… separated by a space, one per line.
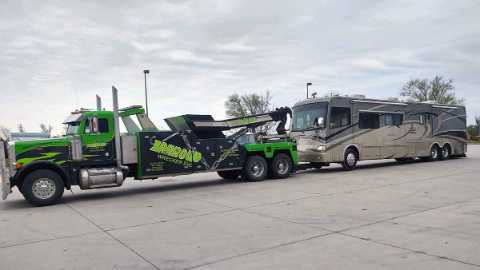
x=43 y=188
x=257 y=169
x=434 y=153
x=445 y=153
x=351 y=159
x=282 y=167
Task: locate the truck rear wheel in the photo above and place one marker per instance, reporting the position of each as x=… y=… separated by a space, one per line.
x=229 y=175
x=42 y=187
x=256 y=168
x=281 y=166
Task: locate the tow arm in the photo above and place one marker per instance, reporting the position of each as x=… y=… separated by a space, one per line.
x=4 y=168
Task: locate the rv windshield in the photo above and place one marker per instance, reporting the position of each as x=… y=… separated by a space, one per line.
x=309 y=116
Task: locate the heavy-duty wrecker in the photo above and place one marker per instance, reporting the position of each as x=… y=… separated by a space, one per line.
x=94 y=154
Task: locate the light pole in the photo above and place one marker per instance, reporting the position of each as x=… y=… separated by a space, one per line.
x=145 y=72
x=308 y=84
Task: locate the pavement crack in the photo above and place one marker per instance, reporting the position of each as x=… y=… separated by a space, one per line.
x=113 y=237
x=260 y=250
x=441 y=257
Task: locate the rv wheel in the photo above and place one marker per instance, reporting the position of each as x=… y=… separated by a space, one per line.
x=446 y=152
x=435 y=153
x=256 y=168
x=350 y=159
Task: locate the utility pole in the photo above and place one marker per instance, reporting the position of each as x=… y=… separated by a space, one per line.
x=308 y=84
x=145 y=72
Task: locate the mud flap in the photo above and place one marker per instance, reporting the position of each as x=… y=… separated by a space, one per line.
x=4 y=171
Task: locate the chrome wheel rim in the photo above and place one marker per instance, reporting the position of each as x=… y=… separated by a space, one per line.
x=434 y=153
x=282 y=166
x=257 y=168
x=351 y=159
x=43 y=188
x=446 y=153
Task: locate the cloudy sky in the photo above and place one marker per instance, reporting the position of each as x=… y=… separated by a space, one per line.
x=56 y=55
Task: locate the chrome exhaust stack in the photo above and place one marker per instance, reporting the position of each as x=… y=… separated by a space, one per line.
x=99 y=103
x=116 y=121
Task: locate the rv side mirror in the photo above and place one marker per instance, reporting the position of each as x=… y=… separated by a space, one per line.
x=319 y=122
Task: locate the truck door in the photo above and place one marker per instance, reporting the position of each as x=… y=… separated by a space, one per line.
x=97 y=139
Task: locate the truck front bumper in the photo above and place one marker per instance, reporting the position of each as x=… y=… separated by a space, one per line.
x=5 y=184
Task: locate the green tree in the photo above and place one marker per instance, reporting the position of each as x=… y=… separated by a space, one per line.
x=437 y=90
x=239 y=106
x=474 y=130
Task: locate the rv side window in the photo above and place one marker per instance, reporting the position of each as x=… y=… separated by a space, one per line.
x=339 y=117
x=368 y=120
x=393 y=119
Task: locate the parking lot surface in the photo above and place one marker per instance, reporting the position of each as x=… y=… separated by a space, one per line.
x=384 y=215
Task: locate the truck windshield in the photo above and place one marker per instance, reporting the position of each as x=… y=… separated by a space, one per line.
x=72 y=128
x=309 y=116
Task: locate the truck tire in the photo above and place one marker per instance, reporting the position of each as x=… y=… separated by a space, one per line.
x=350 y=159
x=256 y=168
x=281 y=166
x=229 y=175
x=42 y=187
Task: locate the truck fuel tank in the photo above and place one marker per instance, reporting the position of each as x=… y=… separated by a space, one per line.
x=101 y=178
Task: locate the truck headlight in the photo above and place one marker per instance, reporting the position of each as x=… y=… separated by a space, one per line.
x=321 y=148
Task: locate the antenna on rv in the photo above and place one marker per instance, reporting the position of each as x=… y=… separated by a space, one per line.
x=99 y=103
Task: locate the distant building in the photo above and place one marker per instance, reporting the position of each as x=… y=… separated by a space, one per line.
x=24 y=136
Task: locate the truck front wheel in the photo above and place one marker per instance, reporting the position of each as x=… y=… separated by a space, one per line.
x=281 y=166
x=256 y=168
x=42 y=187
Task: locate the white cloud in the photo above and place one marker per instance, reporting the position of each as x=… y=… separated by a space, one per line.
x=55 y=56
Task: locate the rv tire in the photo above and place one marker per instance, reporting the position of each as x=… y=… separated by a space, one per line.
x=350 y=159
x=446 y=152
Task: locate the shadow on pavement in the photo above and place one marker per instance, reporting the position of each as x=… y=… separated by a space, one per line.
x=108 y=193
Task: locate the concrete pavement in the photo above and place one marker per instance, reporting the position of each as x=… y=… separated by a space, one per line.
x=384 y=215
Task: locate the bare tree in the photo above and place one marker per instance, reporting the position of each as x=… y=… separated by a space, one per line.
x=477 y=121
x=238 y=106
x=438 y=90
x=21 y=128
x=45 y=129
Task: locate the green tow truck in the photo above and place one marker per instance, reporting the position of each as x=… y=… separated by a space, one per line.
x=94 y=154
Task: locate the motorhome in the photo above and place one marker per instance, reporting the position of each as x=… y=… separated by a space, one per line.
x=348 y=129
